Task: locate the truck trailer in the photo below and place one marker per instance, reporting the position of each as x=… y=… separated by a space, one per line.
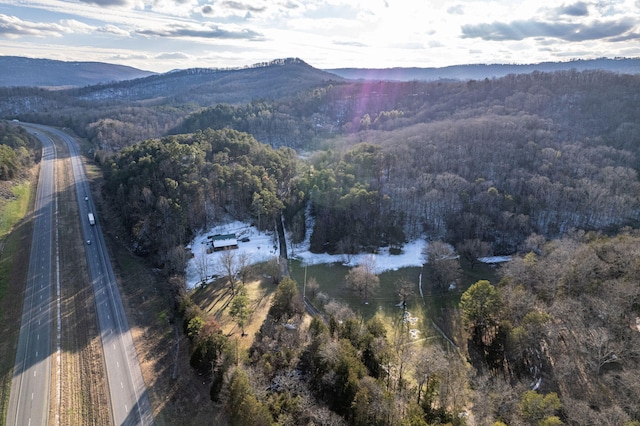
x=92 y=220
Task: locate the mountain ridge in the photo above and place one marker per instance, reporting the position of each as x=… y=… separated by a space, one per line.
x=18 y=71
x=482 y=71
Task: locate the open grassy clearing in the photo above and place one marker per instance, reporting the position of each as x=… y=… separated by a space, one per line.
x=436 y=305
x=216 y=297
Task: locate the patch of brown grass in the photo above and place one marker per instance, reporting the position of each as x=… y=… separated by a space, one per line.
x=14 y=262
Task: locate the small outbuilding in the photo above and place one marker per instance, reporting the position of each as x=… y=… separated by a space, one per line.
x=221 y=242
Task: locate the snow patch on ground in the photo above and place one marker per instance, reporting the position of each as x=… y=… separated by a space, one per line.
x=411 y=256
x=494 y=259
x=262 y=247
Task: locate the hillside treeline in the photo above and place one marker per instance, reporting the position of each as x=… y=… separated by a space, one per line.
x=493 y=160
x=300 y=114
x=165 y=190
x=16 y=151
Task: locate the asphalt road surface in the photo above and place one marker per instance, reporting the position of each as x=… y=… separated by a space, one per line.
x=128 y=396
x=31 y=384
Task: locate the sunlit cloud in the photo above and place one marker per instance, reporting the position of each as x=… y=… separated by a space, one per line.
x=77 y=27
x=173 y=55
x=202 y=31
x=518 y=30
x=456 y=10
x=106 y=3
x=349 y=43
x=242 y=6
x=10 y=26
x=576 y=9
x=112 y=29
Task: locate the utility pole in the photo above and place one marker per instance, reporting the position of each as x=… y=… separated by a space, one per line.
x=304 y=286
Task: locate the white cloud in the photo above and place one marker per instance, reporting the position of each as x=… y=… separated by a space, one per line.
x=13 y=27
x=77 y=27
x=112 y=29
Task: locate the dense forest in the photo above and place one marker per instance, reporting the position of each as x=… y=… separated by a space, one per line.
x=489 y=160
x=542 y=166
x=168 y=189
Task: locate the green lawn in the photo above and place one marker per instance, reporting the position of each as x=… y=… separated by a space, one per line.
x=436 y=304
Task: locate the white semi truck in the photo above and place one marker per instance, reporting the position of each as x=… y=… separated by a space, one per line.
x=92 y=220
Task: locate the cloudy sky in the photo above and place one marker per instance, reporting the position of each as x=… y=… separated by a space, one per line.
x=161 y=35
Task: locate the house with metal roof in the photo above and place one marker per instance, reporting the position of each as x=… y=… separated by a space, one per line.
x=221 y=242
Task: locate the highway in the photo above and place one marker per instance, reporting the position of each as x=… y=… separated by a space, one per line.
x=127 y=392
x=29 y=401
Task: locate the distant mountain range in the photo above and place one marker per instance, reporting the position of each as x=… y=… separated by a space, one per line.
x=18 y=71
x=268 y=80
x=480 y=72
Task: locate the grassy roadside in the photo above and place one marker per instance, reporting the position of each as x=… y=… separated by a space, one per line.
x=11 y=212
x=15 y=240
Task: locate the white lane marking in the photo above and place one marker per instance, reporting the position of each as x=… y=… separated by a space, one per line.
x=121 y=385
x=117 y=364
x=36 y=354
x=38 y=337
x=32 y=396
x=34 y=373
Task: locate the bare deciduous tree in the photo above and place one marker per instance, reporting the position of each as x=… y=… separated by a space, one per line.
x=312 y=287
x=363 y=280
x=202 y=265
x=340 y=311
x=603 y=348
x=405 y=289
x=228 y=265
x=430 y=364
x=473 y=250
x=444 y=264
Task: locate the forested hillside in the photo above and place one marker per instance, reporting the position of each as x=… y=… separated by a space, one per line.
x=16 y=151
x=542 y=166
x=168 y=189
x=539 y=166
x=118 y=114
